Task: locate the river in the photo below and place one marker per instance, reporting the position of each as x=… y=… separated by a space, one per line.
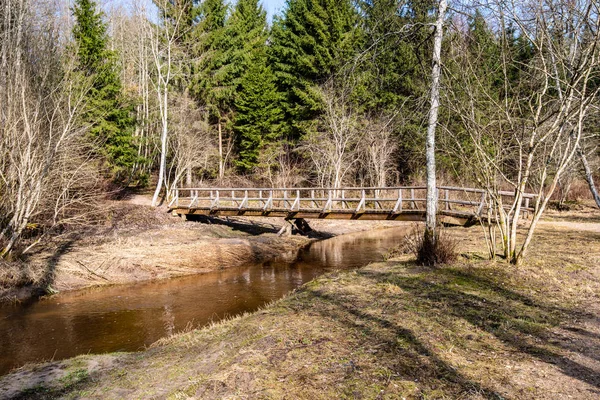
x=129 y=317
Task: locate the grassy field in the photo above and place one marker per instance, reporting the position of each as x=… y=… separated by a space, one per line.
x=392 y=330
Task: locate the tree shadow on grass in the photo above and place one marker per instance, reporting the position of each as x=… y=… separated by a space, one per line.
x=513 y=318
x=414 y=361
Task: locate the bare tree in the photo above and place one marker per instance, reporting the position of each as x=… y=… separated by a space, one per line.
x=163 y=38
x=526 y=139
x=379 y=145
x=333 y=147
x=130 y=37
x=192 y=144
x=40 y=103
x=589 y=175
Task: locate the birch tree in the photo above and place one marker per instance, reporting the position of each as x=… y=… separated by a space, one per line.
x=431 y=206
x=163 y=39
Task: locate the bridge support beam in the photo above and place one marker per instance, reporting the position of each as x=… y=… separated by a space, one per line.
x=295 y=226
x=301 y=226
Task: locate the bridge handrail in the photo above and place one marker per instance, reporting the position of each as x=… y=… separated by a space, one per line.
x=333 y=196
x=389 y=188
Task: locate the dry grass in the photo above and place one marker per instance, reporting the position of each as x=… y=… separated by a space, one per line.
x=15 y=275
x=470 y=330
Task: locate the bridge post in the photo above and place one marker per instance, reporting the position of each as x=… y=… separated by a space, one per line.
x=244 y=201
x=215 y=202
x=398 y=206
x=269 y=201
x=447 y=196
x=362 y=201
x=296 y=202
x=328 y=203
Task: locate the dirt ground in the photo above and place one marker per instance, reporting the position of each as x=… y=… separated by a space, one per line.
x=476 y=329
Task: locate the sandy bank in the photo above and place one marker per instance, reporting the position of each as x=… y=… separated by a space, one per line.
x=141 y=243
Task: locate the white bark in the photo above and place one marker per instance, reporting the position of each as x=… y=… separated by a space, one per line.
x=431 y=208
x=589 y=176
x=163 y=37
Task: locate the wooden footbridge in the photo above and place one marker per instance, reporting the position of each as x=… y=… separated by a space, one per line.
x=457 y=206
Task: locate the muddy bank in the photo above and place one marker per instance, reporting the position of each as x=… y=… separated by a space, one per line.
x=141 y=243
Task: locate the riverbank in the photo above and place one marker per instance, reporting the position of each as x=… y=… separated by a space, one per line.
x=474 y=329
x=140 y=243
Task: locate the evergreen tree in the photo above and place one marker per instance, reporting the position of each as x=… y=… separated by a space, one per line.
x=309 y=43
x=394 y=70
x=210 y=53
x=396 y=49
x=257 y=111
x=258 y=117
x=247 y=34
x=108 y=114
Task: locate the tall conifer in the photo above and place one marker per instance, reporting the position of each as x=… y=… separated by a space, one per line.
x=210 y=55
x=256 y=101
x=108 y=114
x=309 y=43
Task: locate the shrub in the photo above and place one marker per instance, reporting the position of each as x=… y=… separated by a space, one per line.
x=431 y=250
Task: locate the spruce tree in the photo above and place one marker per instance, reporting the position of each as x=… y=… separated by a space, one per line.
x=247 y=34
x=393 y=65
x=309 y=43
x=255 y=101
x=107 y=113
x=395 y=70
x=258 y=115
x=210 y=53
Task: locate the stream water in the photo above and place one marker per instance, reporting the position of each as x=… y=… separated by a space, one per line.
x=127 y=318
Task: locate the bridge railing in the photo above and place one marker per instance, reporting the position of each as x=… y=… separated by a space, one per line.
x=346 y=199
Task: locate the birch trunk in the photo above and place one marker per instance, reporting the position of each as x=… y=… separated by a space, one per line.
x=589 y=176
x=221 y=172
x=163 y=149
x=431 y=216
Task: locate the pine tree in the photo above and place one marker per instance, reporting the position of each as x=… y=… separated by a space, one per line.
x=309 y=43
x=108 y=114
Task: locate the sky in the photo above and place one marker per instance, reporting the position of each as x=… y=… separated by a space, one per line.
x=273 y=7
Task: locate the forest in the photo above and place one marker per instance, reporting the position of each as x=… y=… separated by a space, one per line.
x=174 y=93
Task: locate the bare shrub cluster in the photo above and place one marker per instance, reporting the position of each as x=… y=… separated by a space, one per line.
x=45 y=169
x=431 y=251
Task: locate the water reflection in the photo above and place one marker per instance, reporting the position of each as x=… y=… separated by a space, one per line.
x=128 y=318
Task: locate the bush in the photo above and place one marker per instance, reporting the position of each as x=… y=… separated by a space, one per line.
x=432 y=250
